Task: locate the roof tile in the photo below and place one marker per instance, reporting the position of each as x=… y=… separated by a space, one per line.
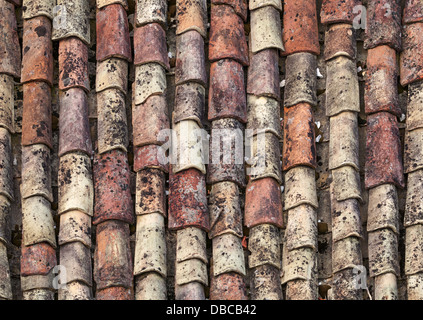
x=301 y=230
x=150 y=11
x=7 y=119
x=10 y=51
x=239 y=6
x=414 y=201
x=104 y=3
x=115 y=293
x=340 y=41
x=150 y=192
x=255 y=4
x=150 y=156
x=415 y=106
x=6 y=178
x=347 y=180
x=37 y=259
x=411 y=58
x=228 y=254
x=338 y=11
x=413 y=11
x=189 y=103
x=112 y=73
x=413 y=148
x=75 y=226
x=75 y=258
x=384 y=256
x=413 y=252
x=383 y=210
x=228 y=286
x=191 y=15
x=150 y=79
x=32 y=9
x=191 y=244
x=346 y=254
x=266 y=281
x=266 y=30
x=264 y=246
x=300 y=193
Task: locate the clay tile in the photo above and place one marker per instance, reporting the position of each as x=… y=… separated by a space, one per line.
x=413 y=147
x=71 y=19
x=342 y=90
x=383 y=210
x=6 y=174
x=189 y=103
x=156 y=111
x=411 y=58
x=150 y=192
x=37 y=259
x=188 y=271
x=190 y=59
x=346 y=254
x=6 y=286
x=338 y=11
x=7 y=109
x=227 y=38
x=383 y=252
x=228 y=254
x=104 y=3
x=112 y=259
x=73 y=64
x=413 y=11
x=150 y=156
x=228 y=286
x=383 y=24
x=300 y=79
x=10 y=51
x=115 y=293
x=263 y=203
x=150 y=45
x=112 y=122
x=36 y=119
x=76 y=260
x=414 y=201
x=36 y=172
x=263 y=74
x=266 y=30
x=188 y=200
x=150 y=79
x=225 y=211
x=74 y=126
x=150 y=246
x=191 y=244
x=37 y=221
x=343 y=147
x=113 y=33
x=266 y=283
x=255 y=4
x=347 y=182
x=226 y=162
x=299 y=146
x=227 y=91
x=32 y=9
x=15 y=2
x=413 y=252
x=150 y=11
x=300 y=32
x=381 y=93
x=112 y=193
x=37 y=60
x=345 y=217
x=75 y=183
x=239 y=6
x=340 y=41
x=264 y=246
x=112 y=74
x=299 y=265
x=75 y=291
x=5 y=206
x=415 y=106
x=191 y=15
x=75 y=226
x=300 y=188
x=383 y=151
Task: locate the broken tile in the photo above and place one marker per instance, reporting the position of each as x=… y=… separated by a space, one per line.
x=263 y=116
x=228 y=254
x=191 y=15
x=150 y=11
x=112 y=73
x=300 y=188
x=189 y=103
x=411 y=57
x=150 y=79
x=10 y=50
x=266 y=32
x=150 y=192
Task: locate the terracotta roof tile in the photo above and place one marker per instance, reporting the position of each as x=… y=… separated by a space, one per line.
x=413 y=11
x=227 y=91
x=383 y=209
x=73 y=64
x=263 y=244
x=266 y=30
x=10 y=51
x=300 y=193
x=15 y=2
x=76 y=259
x=5 y=284
x=112 y=74
x=191 y=15
x=150 y=192
x=299 y=138
x=188 y=200
x=104 y=3
x=228 y=254
x=347 y=253
x=75 y=226
x=411 y=58
x=228 y=286
x=6 y=178
x=192 y=270
x=189 y=103
x=113 y=33
x=255 y=4
x=239 y=6
x=340 y=40
x=33 y=9
x=384 y=256
x=150 y=11
x=300 y=27
x=37 y=60
x=413 y=146
x=227 y=38
x=4 y=212
x=191 y=245
x=115 y=293
x=414 y=199
x=74 y=126
x=37 y=259
x=263 y=203
x=150 y=80
x=150 y=156
x=338 y=11
x=266 y=281
x=413 y=253
x=75 y=291
x=150 y=286
x=112 y=193
x=150 y=45
x=347 y=180
x=415 y=106
x=263 y=116
x=7 y=119
x=190 y=58
x=383 y=151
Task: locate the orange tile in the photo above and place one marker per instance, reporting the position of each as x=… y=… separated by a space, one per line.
x=239 y=6
x=338 y=11
x=228 y=286
x=37 y=259
x=413 y=11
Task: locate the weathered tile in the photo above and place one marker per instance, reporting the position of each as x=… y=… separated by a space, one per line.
x=150 y=156
x=300 y=188
x=7 y=109
x=150 y=192
x=73 y=124
x=150 y=45
x=340 y=40
x=228 y=254
x=150 y=286
x=413 y=249
x=227 y=97
x=191 y=15
x=346 y=180
x=415 y=286
x=239 y=6
x=15 y=2
x=191 y=244
x=411 y=58
x=413 y=148
x=300 y=79
x=413 y=11
x=112 y=73
x=266 y=31
x=383 y=252
x=414 y=199
x=299 y=146
x=263 y=203
x=192 y=270
x=383 y=211
x=383 y=151
x=344 y=286
x=415 y=106
x=73 y=64
x=190 y=291
x=150 y=11
x=189 y=103
x=338 y=11
x=37 y=259
x=263 y=116
x=104 y=3
x=75 y=258
x=112 y=257
x=188 y=200
x=190 y=59
x=255 y=4
x=150 y=79
x=6 y=174
x=71 y=19
x=346 y=254
x=5 y=283
x=10 y=51
x=37 y=59
x=5 y=206
x=75 y=226
x=263 y=74
x=115 y=293
x=301 y=230
x=383 y=26
x=300 y=32
x=113 y=33
x=345 y=218
x=298 y=264
x=228 y=286
x=227 y=39
x=266 y=283
x=113 y=199
x=75 y=291
x=35 y=8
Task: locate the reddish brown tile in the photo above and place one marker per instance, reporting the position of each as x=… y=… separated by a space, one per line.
x=413 y=11
x=37 y=48
x=113 y=199
x=299 y=147
x=150 y=45
x=36 y=117
x=227 y=91
x=150 y=156
x=191 y=15
x=113 y=33
x=383 y=151
x=115 y=293
x=263 y=203
x=37 y=259
x=10 y=51
x=239 y=6
x=228 y=286
x=411 y=58
x=227 y=37
x=15 y=2
x=188 y=200
x=338 y=11
x=340 y=41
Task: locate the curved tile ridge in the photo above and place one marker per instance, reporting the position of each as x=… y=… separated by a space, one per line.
x=150 y=123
